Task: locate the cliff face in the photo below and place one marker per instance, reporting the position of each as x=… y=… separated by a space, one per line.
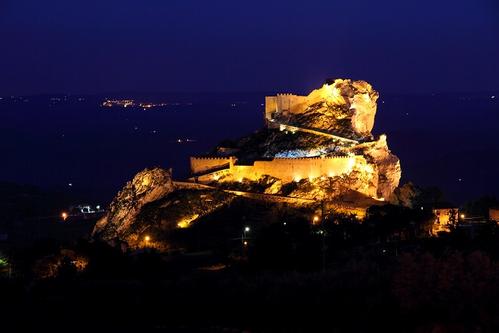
x=344 y=107
x=387 y=164
x=150 y=207
x=147 y=186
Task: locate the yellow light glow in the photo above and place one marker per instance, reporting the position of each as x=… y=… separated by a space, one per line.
x=463 y=216
x=315 y=219
x=185 y=223
x=64 y=216
x=297 y=178
x=147 y=238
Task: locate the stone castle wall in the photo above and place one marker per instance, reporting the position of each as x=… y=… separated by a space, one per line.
x=286 y=169
x=203 y=164
x=294 y=169
x=284 y=103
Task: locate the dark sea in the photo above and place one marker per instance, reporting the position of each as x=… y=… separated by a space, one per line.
x=72 y=142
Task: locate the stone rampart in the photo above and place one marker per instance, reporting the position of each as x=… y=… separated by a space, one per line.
x=284 y=103
x=203 y=164
x=289 y=169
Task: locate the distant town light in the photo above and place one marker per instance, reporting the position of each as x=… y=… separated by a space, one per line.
x=316 y=219
x=463 y=216
x=246 y=229
x=245 y=243
x=147 y=238
x=64 y=216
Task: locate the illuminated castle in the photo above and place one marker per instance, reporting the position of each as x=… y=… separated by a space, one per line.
x=326 y=134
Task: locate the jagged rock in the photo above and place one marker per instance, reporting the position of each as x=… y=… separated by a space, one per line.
x=274 y=188
x=387 y=164
x=343 y=107
x=331 y=188
x=150 y=207
x=405 y=195
x=147 y=186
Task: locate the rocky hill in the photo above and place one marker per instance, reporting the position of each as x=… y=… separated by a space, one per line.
x=343 y=107
x=334 y=121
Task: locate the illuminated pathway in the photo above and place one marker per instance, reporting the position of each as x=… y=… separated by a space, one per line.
x=290 y=128
x=251 y=195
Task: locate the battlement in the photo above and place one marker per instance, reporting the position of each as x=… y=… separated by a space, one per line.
x=284 y=102
x=286 y=169
x=204 y=164
x=209 y=158
x=314 y=158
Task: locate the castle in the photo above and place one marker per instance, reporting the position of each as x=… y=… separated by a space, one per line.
x=354 y=101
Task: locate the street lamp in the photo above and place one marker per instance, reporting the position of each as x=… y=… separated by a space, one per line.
x=64 y=216
x=315 y=219
x=245 y=230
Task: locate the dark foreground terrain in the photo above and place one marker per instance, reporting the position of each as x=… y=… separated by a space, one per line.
x=385 y=274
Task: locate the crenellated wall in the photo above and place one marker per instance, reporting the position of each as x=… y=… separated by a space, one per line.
x=203 y=164
x=284 y=103
x=293 y=169
x=286 y=169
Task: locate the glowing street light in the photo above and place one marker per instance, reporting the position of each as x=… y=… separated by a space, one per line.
x=64 y=216
x=246 y=229
x=462 y=216
x=147 y=239
x=315 y=219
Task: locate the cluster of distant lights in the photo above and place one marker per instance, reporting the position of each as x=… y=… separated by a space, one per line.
x=130 y=103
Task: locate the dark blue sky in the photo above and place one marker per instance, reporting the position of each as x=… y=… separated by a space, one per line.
x=90 y=46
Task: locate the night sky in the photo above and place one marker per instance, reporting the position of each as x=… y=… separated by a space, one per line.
x=96 y=46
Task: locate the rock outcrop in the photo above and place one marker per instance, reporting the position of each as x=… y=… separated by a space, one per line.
x=343 y=107
x=150 y=207
x=336 y=119
x=317 y=147
x=386 y=163
x=147 y=186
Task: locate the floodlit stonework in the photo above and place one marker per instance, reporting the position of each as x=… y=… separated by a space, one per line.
x=326 y=134
x=356 y=100
x=315 y=150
